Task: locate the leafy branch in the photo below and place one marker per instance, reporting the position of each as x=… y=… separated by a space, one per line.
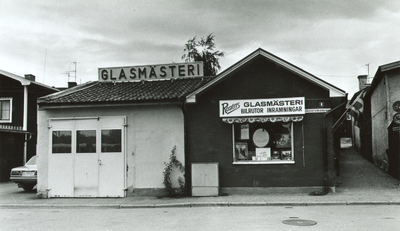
x=169 y=167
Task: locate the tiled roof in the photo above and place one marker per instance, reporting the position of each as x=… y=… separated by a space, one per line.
x=143 y=91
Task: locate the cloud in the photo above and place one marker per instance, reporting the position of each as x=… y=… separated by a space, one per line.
x=326 y=38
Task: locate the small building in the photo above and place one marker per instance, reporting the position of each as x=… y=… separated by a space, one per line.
x=18 y=119
x=379 y=122
x=268 y=124
x=111 y=137
x=264 y=122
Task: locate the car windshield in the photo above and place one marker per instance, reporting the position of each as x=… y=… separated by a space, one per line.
x=32 y=161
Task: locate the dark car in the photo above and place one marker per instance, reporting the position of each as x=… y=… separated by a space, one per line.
x=25 y=176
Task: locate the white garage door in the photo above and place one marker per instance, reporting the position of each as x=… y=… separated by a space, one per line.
x=87 y=157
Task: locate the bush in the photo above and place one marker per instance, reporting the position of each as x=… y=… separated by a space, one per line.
x=169 y=167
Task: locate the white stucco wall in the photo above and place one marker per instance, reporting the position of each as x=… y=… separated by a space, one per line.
x=356 y=136
x=155 y=133
x=382 y=99
x=152 y=132
x=393 y=78
x=379 y=122
x=42 y=153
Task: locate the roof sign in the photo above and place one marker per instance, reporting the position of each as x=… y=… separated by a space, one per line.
x=151 y=72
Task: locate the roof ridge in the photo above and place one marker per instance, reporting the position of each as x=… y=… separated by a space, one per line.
x=273 y=58
x=25 y=81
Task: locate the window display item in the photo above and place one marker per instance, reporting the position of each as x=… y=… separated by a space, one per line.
x=241 y=151
x=244 y=132
x=276 y=155
x=286 y=155
x=263 y=153
x=261 y=137
x=283 y=140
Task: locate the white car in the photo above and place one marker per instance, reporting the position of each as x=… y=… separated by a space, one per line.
x=25 y=176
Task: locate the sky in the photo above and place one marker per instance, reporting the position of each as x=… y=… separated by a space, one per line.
x=333 y=40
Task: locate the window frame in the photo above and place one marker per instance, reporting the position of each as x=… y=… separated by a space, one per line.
x=257 y=162
x=102 y=148
x=52 y=141
x=85 y=149
x=10 y=100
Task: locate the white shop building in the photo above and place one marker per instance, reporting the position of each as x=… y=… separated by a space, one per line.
x=111 y=137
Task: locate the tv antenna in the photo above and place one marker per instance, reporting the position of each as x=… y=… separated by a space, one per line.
x=68 y=73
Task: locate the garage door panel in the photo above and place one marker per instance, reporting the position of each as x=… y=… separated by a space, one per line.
x=86 y=175
x=111 y=175
x=61 y=167
x=88 y=158
x=61 y=159
x=112 y=169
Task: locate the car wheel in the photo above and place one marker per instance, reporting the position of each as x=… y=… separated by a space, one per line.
x=28 y=187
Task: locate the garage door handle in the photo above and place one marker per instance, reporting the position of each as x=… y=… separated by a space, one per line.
x=99 y=162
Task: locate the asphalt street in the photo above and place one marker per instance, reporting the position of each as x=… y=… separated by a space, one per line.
x=336 y=217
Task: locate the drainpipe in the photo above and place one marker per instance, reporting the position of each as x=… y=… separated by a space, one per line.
x=388 y=116
x=25 y=122
x=325 y=155
x=183 y=107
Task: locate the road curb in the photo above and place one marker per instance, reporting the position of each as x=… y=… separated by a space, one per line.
x=210 y=204
x=325 y=203
x=233 y=204
x=200 y=204
x=368 y=203
x=173 y=205
x=286 y=204
x=115 y=206
x=138 y=206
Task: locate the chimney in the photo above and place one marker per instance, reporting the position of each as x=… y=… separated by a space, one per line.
x=362 y=81
x=30 y=77
x=72 y=84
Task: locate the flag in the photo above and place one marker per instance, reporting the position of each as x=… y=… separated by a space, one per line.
x=356 y=106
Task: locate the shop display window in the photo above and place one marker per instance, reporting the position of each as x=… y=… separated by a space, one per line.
x=263 y=143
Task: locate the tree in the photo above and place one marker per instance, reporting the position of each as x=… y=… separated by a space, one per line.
x=203 y=50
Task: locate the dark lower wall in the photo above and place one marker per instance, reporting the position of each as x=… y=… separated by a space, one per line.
x=11 y=153
x=32 y=125
x=393 y=151
x=210 y=140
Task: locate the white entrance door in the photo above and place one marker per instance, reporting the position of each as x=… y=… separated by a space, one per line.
x=94 y=163
x=61 y=159
x=86 y=163
x=112 y=159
